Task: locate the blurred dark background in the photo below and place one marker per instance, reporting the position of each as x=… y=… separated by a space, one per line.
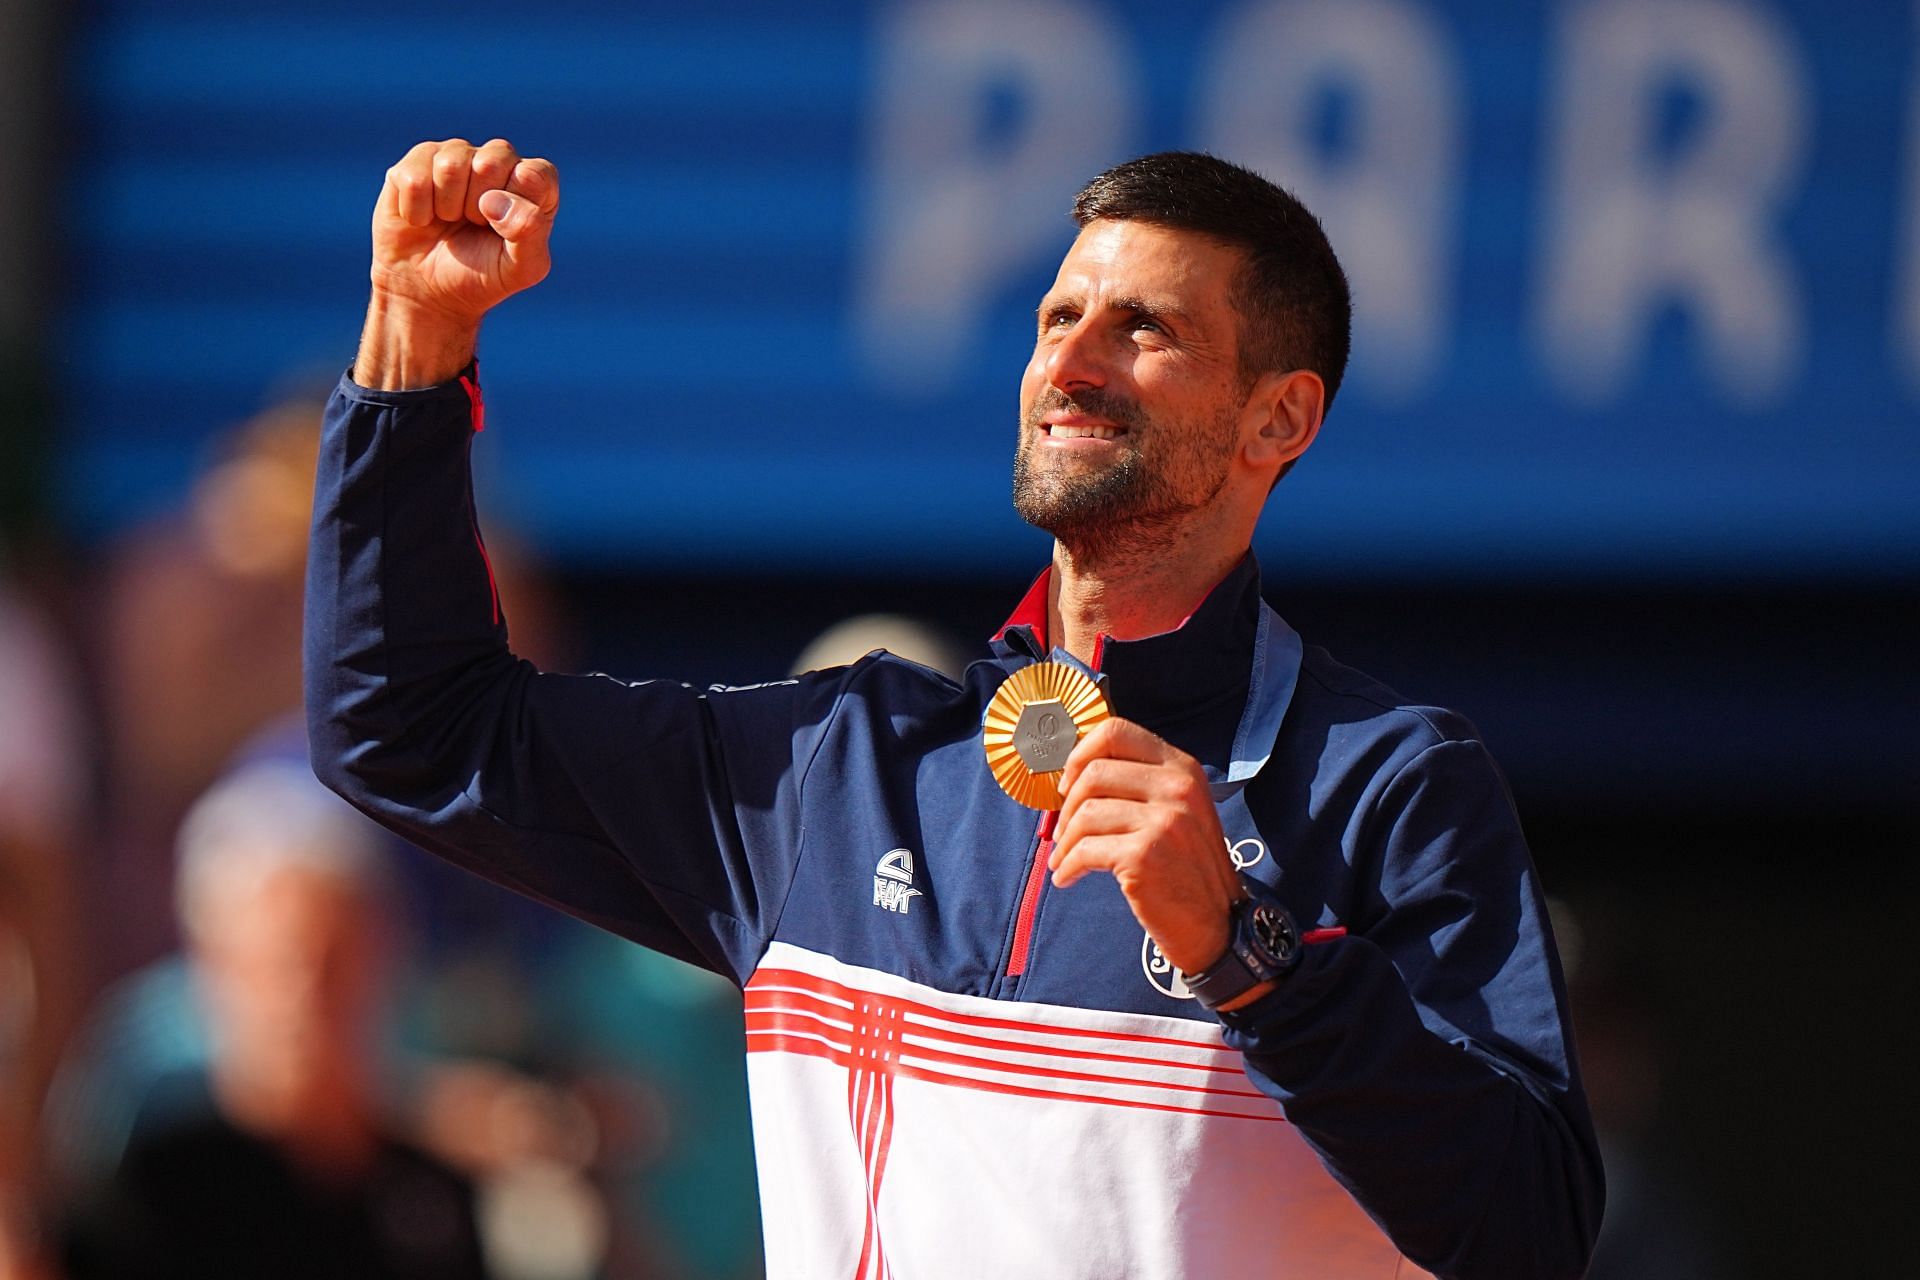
x=1627 y=470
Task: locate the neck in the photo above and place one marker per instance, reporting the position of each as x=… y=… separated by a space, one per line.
x=326 y=1123
x=1130 y=596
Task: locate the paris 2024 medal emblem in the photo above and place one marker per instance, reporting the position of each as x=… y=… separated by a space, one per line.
x=1031 y=726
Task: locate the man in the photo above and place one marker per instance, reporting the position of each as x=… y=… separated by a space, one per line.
x=285 y=1162
x=1093 y=1046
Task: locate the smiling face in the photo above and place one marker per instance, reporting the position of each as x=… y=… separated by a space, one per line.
x=1133 y=405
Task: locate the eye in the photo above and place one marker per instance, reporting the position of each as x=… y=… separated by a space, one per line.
x=1056 y=323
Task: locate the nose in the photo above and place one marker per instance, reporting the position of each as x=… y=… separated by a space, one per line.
x=1075 y=360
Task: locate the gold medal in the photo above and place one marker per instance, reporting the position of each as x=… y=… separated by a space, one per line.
x=1031 y=727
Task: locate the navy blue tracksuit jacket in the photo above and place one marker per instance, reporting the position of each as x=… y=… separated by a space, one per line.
x=956 y=1069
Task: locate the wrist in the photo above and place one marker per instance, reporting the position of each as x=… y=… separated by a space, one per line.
x=408 y=345
x=1248 y=996
x=1263 y=946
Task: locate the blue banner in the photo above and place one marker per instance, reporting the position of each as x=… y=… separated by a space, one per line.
x=1637 y=281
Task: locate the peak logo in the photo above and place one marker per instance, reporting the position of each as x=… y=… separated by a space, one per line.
x=893 y=881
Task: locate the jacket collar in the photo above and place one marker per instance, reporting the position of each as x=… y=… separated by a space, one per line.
x=1222 y=678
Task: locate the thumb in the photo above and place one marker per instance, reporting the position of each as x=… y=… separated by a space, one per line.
x=510 y=215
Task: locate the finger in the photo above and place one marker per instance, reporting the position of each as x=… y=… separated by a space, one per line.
x=516 y=218
x=1118 y=739
x=1096 y=817
x=492 y=169
x=452 y=168
x=411 y=183
x=538 y=181
x=1095 y=853
x=1116 y=779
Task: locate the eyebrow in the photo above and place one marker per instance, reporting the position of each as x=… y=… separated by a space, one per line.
x=1127 y=302
x=1148 y=307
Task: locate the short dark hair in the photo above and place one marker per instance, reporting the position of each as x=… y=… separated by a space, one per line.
x=1295 y=308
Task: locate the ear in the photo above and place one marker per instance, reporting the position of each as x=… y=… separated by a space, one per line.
x=1282 y=417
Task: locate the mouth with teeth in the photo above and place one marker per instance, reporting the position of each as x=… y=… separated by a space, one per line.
x=1084 y=431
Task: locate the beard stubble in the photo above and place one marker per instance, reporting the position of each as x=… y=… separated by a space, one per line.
x=1164 y=473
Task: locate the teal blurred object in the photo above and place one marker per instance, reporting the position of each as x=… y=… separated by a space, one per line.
x=140 y=1058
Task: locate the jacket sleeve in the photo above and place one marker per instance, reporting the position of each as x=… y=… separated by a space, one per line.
x=663 y=813
x=1427 y=1055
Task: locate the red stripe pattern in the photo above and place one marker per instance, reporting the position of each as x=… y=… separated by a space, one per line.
x=893 y=1037
x=477 y=416
x=873 y=1044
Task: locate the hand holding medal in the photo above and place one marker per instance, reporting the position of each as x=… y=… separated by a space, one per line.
x=1031 y=726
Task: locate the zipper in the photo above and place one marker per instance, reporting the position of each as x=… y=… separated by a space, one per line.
x=1021 y=952
x=1030 y=898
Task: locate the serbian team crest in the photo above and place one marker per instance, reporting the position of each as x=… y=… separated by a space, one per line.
x=1166 y=979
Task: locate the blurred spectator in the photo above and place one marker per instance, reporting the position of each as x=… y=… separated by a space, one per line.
x=40 y=784
x=914 y=639
x=201 y=648
x=289 y=1166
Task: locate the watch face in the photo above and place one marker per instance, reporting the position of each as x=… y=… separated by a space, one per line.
x=1273 y=932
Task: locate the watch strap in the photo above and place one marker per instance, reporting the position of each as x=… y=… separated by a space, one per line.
x=1263 y=945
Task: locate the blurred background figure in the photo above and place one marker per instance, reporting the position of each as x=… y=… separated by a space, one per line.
x=289 y=1165
x=595 y=1096
x=915 y=639
x=199 y=649
x=42 y=778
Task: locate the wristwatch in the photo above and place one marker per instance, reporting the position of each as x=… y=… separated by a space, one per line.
x=1263 y=945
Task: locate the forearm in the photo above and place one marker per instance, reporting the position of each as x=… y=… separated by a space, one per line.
x=1475 y=1167
x=417 y=712
x=401 y=608
x=408 y=346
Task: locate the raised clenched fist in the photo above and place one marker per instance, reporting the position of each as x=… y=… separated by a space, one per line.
x=461 y=227
x=457 y=229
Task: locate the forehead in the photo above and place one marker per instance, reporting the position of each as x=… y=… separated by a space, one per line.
x=1185 y=270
